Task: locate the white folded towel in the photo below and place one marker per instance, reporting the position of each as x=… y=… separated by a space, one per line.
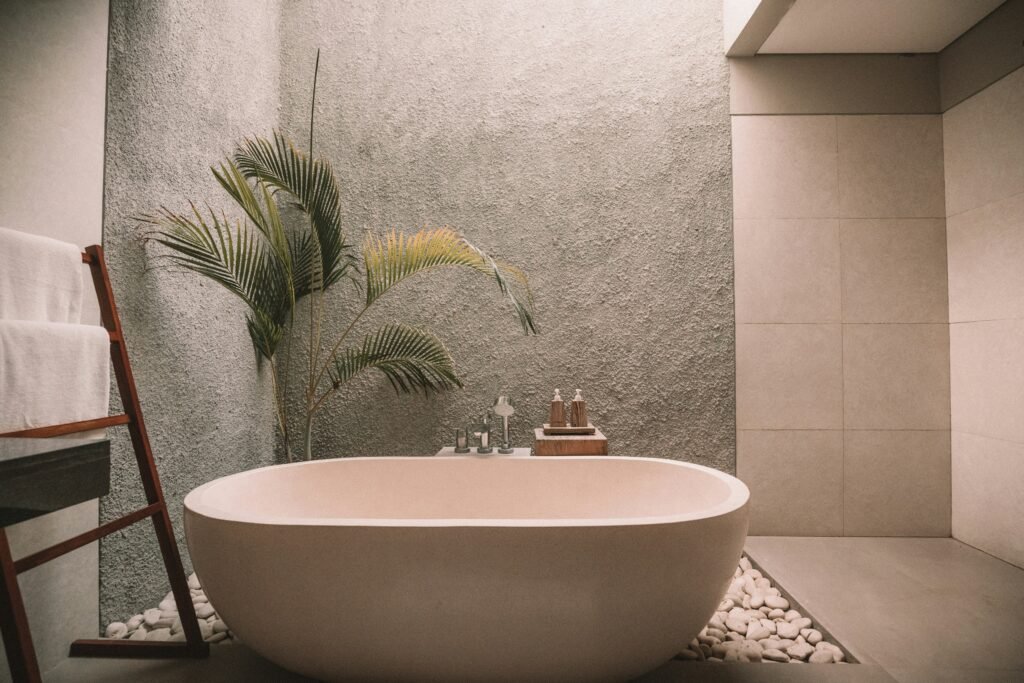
x=40 y=278
x=52 y=373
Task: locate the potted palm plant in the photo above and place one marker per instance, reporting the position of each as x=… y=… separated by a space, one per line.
x=273 y=264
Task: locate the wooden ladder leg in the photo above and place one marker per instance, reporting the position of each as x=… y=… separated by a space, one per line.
x=21 y=655
x=195 y=646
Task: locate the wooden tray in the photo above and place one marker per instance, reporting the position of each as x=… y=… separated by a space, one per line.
x=550 y=431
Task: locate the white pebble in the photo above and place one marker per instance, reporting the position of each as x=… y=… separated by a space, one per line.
x=757 y=632
x=799 y=650
x=736 y=624
x=168 y=605
x=204 y=610
x=140 y=634
x=791 y=615
x=821 y=657
x=159 y=634
x=193 y=581
x=745 y=563
x=151 y=616
x=775 y=655
x=117 y=630
x=220 y=627
x=786 y=630
x=776 y=602
x=135 y=622
x=216 y=637
x=801 y=623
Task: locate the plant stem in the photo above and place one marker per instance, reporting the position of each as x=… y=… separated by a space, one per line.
x=308 y=436
x=337 y=345
x=279 y=409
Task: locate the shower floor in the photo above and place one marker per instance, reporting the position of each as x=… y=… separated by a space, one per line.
x=908 y=609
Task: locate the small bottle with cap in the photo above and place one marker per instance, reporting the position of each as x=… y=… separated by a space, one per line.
x=556 y=417
x=578 y=411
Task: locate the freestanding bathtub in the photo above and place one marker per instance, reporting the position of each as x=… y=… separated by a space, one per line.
x=468 y=568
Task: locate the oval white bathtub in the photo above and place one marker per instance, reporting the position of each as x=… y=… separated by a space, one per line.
x=465 y=568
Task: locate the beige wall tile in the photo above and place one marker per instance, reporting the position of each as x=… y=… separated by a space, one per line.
x=784 y=167
x=894 y=270
x=984 y=145
x=795 y=481
x=986 y=261
x=988 y=507
x=987 y=378
x=789 y=377
x=896 y=483
x=896 y=376
x=787 y=270
x=890 y=167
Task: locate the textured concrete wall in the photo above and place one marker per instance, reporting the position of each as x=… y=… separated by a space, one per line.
x=586 y=141
x=185 y=80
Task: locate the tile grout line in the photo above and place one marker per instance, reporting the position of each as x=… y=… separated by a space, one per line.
x=842 y=345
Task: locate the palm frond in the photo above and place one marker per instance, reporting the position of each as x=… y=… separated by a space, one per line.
x=235 y=258
x=413 y=360
x=396 y=256
x=314 y=189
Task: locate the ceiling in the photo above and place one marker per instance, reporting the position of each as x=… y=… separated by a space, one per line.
x=874 y=26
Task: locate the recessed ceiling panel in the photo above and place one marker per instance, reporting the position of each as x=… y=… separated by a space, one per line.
x=873 y=26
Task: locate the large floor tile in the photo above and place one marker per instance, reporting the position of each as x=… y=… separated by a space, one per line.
x=894 y=270
x=787 y=270
x=988 y=503
x=891 y=167
x=795 y=480
x=896 y=376
x=986 y=250
x=784 y=167
x=984 y=145
x=906 y=603
x=896 y=483
x=987 y=378
x=789 y=377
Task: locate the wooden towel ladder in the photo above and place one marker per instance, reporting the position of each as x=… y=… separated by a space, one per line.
x=13 y=620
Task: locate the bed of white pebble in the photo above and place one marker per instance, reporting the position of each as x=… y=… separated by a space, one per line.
x=163 y=623
x=753 y=623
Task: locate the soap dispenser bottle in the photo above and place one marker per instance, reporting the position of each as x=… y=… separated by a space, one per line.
x=556 y=417
x=578 y=411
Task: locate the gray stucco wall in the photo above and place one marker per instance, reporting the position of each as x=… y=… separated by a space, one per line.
x=185 y=79
x=588 y=142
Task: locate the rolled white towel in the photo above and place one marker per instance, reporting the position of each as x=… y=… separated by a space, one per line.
x=40 y=278
x=52 y=373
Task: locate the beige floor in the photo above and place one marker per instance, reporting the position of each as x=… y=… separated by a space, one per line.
x=914 y=610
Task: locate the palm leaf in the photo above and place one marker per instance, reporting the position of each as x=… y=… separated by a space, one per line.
x=413 y=360
x=312 y=185
x=393 y=258
x=238 y=260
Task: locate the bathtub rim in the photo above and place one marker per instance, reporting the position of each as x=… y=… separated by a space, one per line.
x=739 y=496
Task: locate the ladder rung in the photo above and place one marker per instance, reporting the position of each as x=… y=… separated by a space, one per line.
x=70 y=427
x=76 y=542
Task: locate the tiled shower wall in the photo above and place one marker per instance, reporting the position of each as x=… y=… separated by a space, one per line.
x=842 y=338
x=984 y=147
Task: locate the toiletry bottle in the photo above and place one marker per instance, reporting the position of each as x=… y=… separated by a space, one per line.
x=485 y=435
x=556 y=418
x=578 y=412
